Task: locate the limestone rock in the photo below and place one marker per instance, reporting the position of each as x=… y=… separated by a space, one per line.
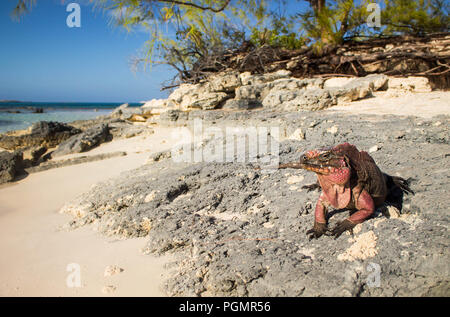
x=207 y=101
x=111 y=270
x=240 y=104
x=157 y=106
x=84 y=141
x=199 y=96
x=109 y=289
x=337 y=82
x=10 y=165
x=125 y=111
x=42 y=133
x=412 y=83
x=225 y=82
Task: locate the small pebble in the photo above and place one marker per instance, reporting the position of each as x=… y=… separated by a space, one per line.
x=109 y=289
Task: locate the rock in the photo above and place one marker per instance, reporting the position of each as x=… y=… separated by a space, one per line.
x=111 y=270
x=42 y=133
x=139 y=117
x=207 y=101
x=390 y=211
x=72 y=161
x=11 y=165
x=124 y=111
x=294 y=179
x=364 y=247
x=272 y=94
x=172 y=115
x=156 y=157
x=298 y=134
x=211 y=216
x=337 y=82
x=199 y=96
x=178 y=94
x=416 y=84
x=248 y=79
x=33 y=155
x=225 y=82
x=157 y=106
x=292 y=64
x=311 y=94
x=240 y=104
x=109 y=289
x=125 y=129
x=84 y=141
x=253 y=92
x=333 y=130
x=311 y=99
x=374 y=149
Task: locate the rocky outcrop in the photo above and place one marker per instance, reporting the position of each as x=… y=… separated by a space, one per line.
x=73 y=161
x=43 y=133
x=237 y=231
x=84 y=141
x=416 y=84
x=34 y=155
x=278 y=90
x=125 y=111
x=11 y=165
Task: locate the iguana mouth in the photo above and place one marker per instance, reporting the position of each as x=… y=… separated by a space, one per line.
x=322 y=162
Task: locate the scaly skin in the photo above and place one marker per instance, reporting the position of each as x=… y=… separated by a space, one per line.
x=350 y=179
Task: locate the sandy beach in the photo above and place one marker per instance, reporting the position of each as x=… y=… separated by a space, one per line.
x=35 y=252
x=224 y=149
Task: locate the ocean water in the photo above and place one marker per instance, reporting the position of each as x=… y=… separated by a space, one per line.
x=20 y=115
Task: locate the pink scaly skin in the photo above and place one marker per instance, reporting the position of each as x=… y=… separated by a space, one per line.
x=350 y=179
x=334 y=177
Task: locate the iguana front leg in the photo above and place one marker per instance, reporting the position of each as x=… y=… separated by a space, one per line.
x=320 y=222
x=365 y=205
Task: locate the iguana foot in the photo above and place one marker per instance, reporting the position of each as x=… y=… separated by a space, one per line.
x=341 y=227
x=318 y=230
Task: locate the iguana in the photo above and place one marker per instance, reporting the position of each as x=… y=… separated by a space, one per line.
x=349 y=179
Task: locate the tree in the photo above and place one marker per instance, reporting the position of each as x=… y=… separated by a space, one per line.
x=198 y=36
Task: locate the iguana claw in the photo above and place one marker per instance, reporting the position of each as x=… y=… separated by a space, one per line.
x=341 y=227
x=318 y=230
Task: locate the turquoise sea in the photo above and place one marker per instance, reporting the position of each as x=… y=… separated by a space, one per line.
x=20 y=115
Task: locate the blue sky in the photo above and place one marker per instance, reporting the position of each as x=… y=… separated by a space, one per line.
x=41 y=59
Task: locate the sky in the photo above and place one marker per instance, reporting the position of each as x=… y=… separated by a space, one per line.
x=42 y=59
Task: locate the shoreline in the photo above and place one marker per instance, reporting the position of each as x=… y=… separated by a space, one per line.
x=30 y=236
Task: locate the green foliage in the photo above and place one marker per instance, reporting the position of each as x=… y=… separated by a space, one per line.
x=182 y=32
x=415 y=16
x=276 y=37
x=22 y=7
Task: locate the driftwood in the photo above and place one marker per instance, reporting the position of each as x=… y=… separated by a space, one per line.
x=396 y=56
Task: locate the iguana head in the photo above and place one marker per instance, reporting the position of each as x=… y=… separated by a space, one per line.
x=325 y=161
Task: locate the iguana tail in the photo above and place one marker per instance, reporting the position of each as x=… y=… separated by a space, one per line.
x=403 y=184
x=398 y=182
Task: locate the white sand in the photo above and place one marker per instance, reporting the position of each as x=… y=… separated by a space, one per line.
x=35 y=255
x=425 y=105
